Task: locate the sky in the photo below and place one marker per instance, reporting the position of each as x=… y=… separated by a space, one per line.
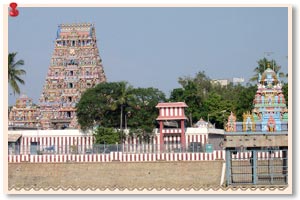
x=221 y=50
x=153 y=47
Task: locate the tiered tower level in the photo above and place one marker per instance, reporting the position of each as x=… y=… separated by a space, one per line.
x=75 y=66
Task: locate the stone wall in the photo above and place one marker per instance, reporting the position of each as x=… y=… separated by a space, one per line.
x=160 y=174
x=256 y=140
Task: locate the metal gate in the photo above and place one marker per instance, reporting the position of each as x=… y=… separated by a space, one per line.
x=257 y=167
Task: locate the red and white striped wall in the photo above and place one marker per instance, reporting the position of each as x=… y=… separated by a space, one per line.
x=62 y=143
x=260 y=155
x=171 y=142
x=138 y=145
x=18 y=158
x=137 y=157
x=171 y=112
x=117 y=156
x=201 y=138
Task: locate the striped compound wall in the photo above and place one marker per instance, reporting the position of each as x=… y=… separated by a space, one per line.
x=118 y=156
x=132 y=145
x=62 y=143
x=138 y=157
x=260 y=155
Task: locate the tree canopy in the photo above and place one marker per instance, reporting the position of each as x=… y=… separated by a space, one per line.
x=209 y=100
x=109 y=105
x=106 y=135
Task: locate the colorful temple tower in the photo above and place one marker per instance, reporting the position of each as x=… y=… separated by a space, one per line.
x=270 y=113
x=24 y=114
x=75 y=66
x=262 y=137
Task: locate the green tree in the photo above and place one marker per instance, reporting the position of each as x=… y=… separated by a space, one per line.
x=142 y=114
x=97 y=106
x=14 y=73
x=103 y=104
x=262 y=65
x=217 y=108
x=124 y=94
x=206 y=98
x=244 y=101
x=194 y=91
x=106 y=135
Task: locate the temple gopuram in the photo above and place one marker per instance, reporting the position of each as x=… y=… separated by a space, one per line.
x=262 y=137
x=24 y=114
x=75 y=66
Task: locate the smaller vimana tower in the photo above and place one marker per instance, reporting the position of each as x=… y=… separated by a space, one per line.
x=75 y=66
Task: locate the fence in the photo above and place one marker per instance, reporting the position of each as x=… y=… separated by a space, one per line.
x=260 y=167
x=36 y=149
x=118 y=156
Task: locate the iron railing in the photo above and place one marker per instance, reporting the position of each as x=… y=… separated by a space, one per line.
x=271 y=170
x=39 y=149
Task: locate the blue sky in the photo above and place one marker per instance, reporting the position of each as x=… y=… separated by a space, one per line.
x=153 y=47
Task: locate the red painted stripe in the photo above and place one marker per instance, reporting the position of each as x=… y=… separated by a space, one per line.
x=66 y=144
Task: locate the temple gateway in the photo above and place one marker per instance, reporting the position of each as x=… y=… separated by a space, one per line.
x=75 y=66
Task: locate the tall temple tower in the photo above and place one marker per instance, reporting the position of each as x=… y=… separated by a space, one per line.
x=75 y=66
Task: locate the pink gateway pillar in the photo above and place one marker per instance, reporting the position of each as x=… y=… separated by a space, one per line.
x=168 y=113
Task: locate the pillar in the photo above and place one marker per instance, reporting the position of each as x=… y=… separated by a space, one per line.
x=182 y=139
x=254 y=167
x=161 y=134
x=228 y=167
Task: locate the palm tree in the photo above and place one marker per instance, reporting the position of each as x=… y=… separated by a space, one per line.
x=123 y=99
x=263 y=64
x=14 y=73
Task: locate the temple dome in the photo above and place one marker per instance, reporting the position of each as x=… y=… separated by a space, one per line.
x=269 y=78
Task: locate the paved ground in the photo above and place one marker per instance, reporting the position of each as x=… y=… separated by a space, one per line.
x=160 y=174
